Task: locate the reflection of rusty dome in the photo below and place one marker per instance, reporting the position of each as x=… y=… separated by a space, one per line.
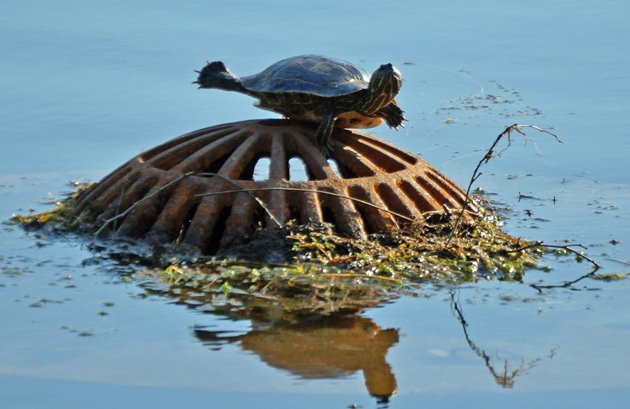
x=368 y=185
x=329 y=347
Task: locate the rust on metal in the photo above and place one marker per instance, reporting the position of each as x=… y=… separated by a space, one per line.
x=203 y=188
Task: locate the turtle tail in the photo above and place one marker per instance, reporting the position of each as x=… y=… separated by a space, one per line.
x=216 y=75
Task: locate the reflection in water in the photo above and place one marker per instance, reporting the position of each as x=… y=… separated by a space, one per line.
x=316 y=346
x=504 y=376
x=329 y=347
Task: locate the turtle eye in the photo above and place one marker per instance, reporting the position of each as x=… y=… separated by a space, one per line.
x=354 y=120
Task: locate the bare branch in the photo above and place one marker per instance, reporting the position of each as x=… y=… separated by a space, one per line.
x=241 y=189
x=135 y=204
x=566 y=247
x=486 y=158
x=172 y=182
x=323 y=192
x=519 y=127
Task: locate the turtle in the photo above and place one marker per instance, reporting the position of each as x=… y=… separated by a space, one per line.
x=318 y=89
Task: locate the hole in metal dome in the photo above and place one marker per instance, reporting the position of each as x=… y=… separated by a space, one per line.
x=216 y=164
x=298 y=171
x=183 y=229
x=452 y=196
x=328 y=215
x=219 y=131
x=259 y=218
x=422 y=203
x=295 y=213
x=380 y=159
x=435 y=193
x=335 y=168
x=214 y=242
x=135 y=193
x=393 y=202
x=374 y=151
x=174 y=154
x=369 y=215
x=311 y=166
x=253 y=155
x=395 y=151
x=261 y=169
x=350 y=165
x=248 y=171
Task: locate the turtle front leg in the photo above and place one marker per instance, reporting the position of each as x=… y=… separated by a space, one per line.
x=392 y=114
x=322 y=136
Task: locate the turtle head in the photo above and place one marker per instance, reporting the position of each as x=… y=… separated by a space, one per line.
x=385 y=83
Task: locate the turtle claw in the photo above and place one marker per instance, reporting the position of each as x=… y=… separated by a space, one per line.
x=393 y=116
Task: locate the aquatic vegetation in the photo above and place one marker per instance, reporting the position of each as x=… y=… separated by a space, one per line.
x=609 y=276
x=308 y=269
x=14 y=271
x=326 y=273
x=60 y=218
x=321 y=272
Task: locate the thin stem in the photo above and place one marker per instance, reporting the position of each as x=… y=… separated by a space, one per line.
x=135 y=204
x=241 y=189
x=486 y=158
x=323 y=192
x=566 y=247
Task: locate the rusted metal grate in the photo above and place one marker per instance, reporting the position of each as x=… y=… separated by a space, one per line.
x=203 y=188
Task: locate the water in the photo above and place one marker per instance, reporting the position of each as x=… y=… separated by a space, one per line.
x=85 y=86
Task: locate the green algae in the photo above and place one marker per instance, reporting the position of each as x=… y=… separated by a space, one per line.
x=322 y=273
x=61 y=218
x=609 y=276
x=328 y=274
x=15 y=271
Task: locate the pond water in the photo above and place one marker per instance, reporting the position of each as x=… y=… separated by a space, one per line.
x=84 y=86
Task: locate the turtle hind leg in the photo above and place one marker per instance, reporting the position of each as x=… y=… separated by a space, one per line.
x=323 y=133
x=393 y=115
x=216 y=75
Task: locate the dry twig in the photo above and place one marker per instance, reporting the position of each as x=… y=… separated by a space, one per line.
x=323 y=192
x=135 y=204
x=566 y=247
x=174 y=181
x=486 y=158
x=241 y=189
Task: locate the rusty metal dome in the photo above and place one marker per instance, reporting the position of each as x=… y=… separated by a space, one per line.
x=202 y=189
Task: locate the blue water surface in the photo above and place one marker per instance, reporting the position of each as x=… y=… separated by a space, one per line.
x=86 y=85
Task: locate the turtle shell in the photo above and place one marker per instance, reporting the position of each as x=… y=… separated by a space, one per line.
x=309 y=74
